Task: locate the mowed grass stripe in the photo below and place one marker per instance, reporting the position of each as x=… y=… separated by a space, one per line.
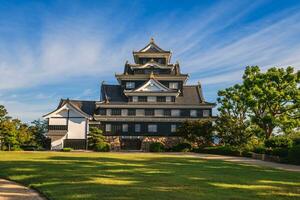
x=63 y=176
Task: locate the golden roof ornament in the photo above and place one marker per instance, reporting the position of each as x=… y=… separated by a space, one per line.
x=151 y=40
x=151 y=74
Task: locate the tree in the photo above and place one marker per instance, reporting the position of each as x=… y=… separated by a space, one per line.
x=199 y=132
x=3 y=114
x=39 y=129
x=232 y=123
x=96 y=140
x=273 y=97
x=13 y=133
x=9 y=134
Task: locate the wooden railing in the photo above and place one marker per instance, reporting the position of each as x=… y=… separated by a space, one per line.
x=58 y=127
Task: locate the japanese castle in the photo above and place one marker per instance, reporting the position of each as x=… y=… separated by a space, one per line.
x=147 y=105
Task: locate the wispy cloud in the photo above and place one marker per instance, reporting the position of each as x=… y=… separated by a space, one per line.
x=213 y=43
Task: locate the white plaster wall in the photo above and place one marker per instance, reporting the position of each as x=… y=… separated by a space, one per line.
x=57 y=121
x=77 y=128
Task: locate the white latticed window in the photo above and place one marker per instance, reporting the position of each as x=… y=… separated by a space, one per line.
x=173 y=128
x=125 y=127
x=135 y=99
x=206 y=113
x=140 y=112
x=108 y=112
x=137 y=128
x=173 y=85
x=107 y=127
x=193 y=113
x=159 y=112
x=151 y=99
x=175 y=113
x=168 y=99
x=124 y=112
x=152 y=128
x=130 y=85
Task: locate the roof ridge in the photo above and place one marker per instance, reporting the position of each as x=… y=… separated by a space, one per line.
x=78 y=100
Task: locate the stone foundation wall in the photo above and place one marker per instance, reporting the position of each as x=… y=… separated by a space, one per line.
x=114 y=141
x=167 y=141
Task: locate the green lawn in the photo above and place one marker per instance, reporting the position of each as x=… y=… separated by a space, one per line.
x=145 y=176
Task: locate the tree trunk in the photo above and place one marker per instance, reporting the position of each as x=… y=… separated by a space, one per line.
x=268 y=131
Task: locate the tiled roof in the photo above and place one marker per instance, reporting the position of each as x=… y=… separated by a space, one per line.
x=87 y=107
x=192 y=95
x=152 y=48
x=112 y=93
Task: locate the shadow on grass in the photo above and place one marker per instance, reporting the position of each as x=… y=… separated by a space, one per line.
x=142 y=176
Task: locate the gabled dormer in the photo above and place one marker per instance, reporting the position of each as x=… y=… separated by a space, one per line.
x=152 y=88
x=152 y=52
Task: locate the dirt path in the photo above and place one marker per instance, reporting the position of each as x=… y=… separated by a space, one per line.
x=287 y=167
x=13 y=191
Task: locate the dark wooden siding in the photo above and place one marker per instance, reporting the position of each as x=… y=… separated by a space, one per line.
x=163 y=129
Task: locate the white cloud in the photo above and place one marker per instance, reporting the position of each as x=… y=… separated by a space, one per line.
x=92 y=45
x=27 y=112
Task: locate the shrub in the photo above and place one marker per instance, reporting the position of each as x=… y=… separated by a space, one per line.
x=221 y=150
x=281 y=152
x=182 y=147
x=294 y=154
x=156 y=147
x=279 y=142
x=260 y=150
x=29 y=148
x=67 y=149
x=296 y=141
x=102 y=147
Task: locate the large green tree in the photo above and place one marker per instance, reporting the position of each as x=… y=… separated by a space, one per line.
x=13 y=133
x=232 y=123
x=273 y=97
x=39 y=129
x=96 y=140
x=198 y=132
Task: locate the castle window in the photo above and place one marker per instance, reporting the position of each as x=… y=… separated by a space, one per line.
x=130 y=85
x=137 y=128
x=206 y=113
x=152 y=128
x=167 y=112
x=108 y=112
x=168 y=99
x=193 y=113
x=173 y=85
x=151 y=99
x=140 y=112
x=135 y=99
x=149 y=112
x=159 y=112
x=147 y=71
x=173 y=128
x=142 y=99
x=161 y=99
x=175 y=113
x=124 y=112
x=107 y=127
x=131 y=112
x=125 y=127
x=116 y=112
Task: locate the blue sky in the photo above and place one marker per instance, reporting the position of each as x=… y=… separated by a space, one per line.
x=64 y=49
